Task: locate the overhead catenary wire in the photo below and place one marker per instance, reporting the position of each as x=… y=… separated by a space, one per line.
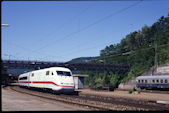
x=61 y=27
x=88 y=26
x=75 y=50
x=121 y=54
x=27 y=49
x=66 y=23
x=82 y=50
x=134 y=52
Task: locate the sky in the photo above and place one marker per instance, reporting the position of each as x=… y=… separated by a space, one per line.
x=62 y=30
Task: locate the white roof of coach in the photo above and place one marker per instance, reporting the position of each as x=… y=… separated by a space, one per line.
x=24 y=74
x=154 y=76
x=56 y=68
x=47 y=69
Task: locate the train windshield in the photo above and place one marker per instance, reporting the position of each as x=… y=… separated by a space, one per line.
x=63 y=73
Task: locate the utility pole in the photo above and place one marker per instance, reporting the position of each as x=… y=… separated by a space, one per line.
x=105 y=72
x=104 y=68
x=156 y=57
x=155 y=60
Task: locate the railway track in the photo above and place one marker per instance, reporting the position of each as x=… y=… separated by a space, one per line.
x=156 y=91
x=94 y=102
x=150 y=91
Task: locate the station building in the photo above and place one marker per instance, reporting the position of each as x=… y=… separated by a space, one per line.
x=79 y=80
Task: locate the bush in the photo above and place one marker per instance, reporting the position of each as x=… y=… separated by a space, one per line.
x=130 y=91
x=114 y=80
x=98 y=83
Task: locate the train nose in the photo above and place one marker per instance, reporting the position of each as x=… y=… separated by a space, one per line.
x=68 y=87
x=66 y=80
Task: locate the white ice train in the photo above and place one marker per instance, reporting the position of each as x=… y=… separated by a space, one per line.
x=57 y=79
x=153 y=82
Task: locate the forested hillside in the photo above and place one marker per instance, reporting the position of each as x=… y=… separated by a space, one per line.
x=137 y=50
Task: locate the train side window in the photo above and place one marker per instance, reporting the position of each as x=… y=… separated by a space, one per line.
x=60 y=72
x=32 y=74
x=153 y=81
x=138 y=81
x=52 y=73
x=161 y=80
x=64 y=73
x=145 y=81
x=23 y=78
x=47 y=72
x=142 y=81
x=157 y=81
x=67 y=73
x=166 y=81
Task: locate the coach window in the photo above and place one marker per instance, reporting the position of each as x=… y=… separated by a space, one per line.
x=142 y=81
x=161 y=80
x=23 y=78
x=67 y=73
x=60 y=72
x=157 y=81
x=153 y=81
x=166 y=81
x=32 y=74
x=47 y=72
x=64 y=73
x=138 y=81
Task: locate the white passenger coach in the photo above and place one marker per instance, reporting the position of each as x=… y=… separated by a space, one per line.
x=55 y=78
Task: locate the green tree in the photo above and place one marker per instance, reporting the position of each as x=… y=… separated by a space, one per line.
x=137 y=50
x=114 y=80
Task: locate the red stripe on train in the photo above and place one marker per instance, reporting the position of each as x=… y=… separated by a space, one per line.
x=44 y=82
